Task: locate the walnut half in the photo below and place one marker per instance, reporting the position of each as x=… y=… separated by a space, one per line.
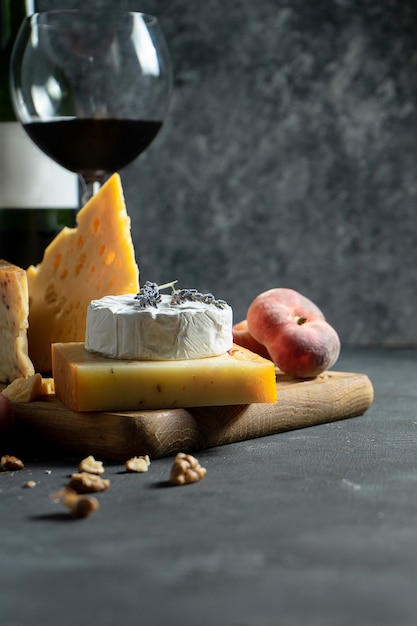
x=138 y=464
x=9 y=462
x=79 y=505
x=186 y=469
x=91 y=466
x=83 y=482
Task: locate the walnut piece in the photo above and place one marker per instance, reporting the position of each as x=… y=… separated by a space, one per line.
x=84 y=482
x=138 y=464
x=91 y=466
x=10 y=463
x=79 y=505
x=186 y=469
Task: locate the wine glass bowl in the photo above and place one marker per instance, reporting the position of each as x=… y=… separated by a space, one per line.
x=91 y=88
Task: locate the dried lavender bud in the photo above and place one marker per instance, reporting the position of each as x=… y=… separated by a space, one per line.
x=148 y=295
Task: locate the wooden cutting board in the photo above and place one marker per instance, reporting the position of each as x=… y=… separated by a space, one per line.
x=119 y=436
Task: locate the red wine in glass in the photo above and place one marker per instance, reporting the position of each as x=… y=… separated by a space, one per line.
x=91 y=87
x=93 y=147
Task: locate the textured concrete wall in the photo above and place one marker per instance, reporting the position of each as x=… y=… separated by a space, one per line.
x=289 y=158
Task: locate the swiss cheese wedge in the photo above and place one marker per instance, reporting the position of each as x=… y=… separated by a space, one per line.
x=81 y=264
x=86 y=381
x=14 y=310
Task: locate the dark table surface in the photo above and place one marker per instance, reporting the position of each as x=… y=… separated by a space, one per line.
x=316 y=526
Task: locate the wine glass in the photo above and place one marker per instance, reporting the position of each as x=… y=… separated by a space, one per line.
x=91 y=88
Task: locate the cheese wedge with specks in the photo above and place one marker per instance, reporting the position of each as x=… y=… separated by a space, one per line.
x=86 y=381
x=81 y=264
x=14 y=310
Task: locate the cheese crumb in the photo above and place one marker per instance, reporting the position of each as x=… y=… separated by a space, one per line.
x=24 y=389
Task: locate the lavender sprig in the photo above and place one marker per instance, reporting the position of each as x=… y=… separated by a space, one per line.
x=179 y=296
x=149 y=296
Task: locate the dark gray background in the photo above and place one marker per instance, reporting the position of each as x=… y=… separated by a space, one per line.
x=288 y=158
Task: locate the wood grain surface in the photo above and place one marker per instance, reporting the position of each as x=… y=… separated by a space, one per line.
x=118 y=436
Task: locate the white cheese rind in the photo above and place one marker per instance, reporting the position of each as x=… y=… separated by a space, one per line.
x=116 y=327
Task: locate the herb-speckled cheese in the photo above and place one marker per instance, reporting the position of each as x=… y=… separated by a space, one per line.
x=86 y=381
x=117 y=328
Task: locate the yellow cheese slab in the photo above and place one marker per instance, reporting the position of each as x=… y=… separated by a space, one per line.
x=81 y=264
x=86 y=381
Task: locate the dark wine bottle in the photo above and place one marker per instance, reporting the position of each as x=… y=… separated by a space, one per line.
x=37 y=196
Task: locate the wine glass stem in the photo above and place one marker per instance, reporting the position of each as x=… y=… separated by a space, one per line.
x=88 y=188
